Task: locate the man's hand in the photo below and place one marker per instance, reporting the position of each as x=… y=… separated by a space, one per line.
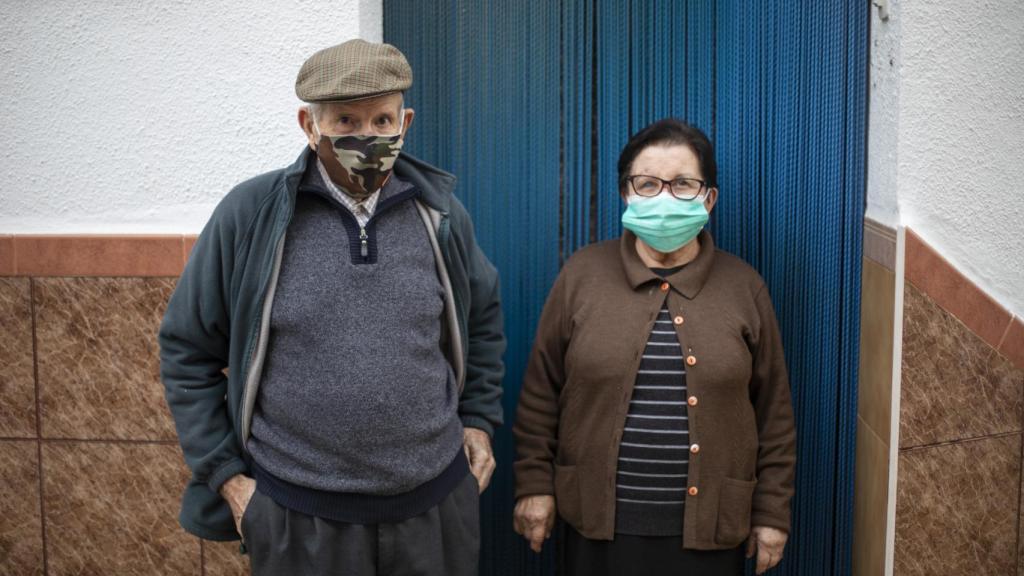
x=238 y=490
x=533 y=518
x=768 y=543
x=477 y=444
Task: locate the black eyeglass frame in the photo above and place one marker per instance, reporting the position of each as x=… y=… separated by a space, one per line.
x=664 y=183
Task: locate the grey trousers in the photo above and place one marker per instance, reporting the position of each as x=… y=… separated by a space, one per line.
x=444 y=540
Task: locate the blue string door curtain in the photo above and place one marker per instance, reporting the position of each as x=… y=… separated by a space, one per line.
x=529 y=104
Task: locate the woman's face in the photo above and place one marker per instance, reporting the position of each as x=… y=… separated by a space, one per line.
x=669 y=162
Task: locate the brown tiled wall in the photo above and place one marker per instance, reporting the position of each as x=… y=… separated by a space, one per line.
x=90 y=470
x=962 y=391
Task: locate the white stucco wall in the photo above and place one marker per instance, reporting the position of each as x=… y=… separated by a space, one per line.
x=129 y=117
x=946 y=148
x=883 y=119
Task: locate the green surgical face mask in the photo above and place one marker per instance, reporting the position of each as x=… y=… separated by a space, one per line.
x=664 y=222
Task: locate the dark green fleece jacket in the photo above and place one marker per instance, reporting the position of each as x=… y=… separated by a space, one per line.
x=213 y=336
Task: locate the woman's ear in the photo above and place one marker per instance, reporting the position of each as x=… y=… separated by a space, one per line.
x=711 y=199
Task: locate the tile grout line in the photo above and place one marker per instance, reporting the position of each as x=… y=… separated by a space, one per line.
x=103 y=441
x=1006 y=332
x=39 y=419
x=961 y=441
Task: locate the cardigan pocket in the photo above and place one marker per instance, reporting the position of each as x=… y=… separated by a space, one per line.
x=567 y=495
x=734 y=503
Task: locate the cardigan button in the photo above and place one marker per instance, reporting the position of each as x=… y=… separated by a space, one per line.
x=694 y=448
x=692 y=400
x=692 y=491
x=678 y=320
x=664 y=286
x=691 y=360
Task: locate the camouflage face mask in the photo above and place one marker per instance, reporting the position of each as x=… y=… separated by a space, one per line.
x=359 y=164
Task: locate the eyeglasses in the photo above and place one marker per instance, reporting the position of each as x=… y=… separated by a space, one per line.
x=681 y=188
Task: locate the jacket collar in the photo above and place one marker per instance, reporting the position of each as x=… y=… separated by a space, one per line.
x=293 y=174
x=435 y=185
x=687 y=281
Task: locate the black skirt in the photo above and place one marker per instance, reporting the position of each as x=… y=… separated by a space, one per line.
x=642 y=555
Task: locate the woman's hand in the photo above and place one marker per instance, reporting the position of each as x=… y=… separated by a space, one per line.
x=768 y=543
x=534 y=517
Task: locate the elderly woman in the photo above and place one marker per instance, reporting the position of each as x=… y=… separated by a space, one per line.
x=655 y=415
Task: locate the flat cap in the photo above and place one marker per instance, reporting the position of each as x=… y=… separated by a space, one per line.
x=353 y=70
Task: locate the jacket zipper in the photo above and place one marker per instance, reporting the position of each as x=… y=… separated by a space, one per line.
x=257 y=325
x=364 y=237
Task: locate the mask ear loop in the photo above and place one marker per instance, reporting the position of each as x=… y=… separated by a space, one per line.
x=316 y=129
x=401 y=121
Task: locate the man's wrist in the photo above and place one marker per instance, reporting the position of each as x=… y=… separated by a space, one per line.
x=232 y=486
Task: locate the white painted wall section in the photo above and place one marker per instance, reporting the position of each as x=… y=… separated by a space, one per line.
x=883 y=119
x=137 y=117
x=946 y=147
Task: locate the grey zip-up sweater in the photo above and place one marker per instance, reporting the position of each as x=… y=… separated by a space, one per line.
x=356 y=394
x=214 y=335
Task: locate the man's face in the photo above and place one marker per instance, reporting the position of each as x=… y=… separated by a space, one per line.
x=349 y=163
x=378 y=116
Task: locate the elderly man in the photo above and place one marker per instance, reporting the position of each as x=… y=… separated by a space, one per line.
x=332 y=352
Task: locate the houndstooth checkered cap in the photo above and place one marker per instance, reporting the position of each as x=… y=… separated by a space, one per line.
x=353 y=70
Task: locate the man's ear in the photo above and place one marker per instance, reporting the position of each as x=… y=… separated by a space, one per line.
x=407 y=121
x=306 y=123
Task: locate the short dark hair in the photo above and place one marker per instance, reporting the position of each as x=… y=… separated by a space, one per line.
x=669 y=132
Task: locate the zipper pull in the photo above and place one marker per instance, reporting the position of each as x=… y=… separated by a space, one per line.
x=363 y=248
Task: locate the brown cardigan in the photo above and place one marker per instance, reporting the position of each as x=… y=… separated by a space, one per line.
x=580 y=379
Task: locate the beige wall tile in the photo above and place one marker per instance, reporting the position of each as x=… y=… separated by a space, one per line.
x=21 y=532
x=957 y=508
x=880 y=244
x=954 y=385
x=17 y=378
x=1020 y=522
x=98 y=357
x=1013 y=343
x=870 y=492
x=224 y=559
x=877 y=322
x=112 y=508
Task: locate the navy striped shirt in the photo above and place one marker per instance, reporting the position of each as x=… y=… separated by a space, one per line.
x=654 y=453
